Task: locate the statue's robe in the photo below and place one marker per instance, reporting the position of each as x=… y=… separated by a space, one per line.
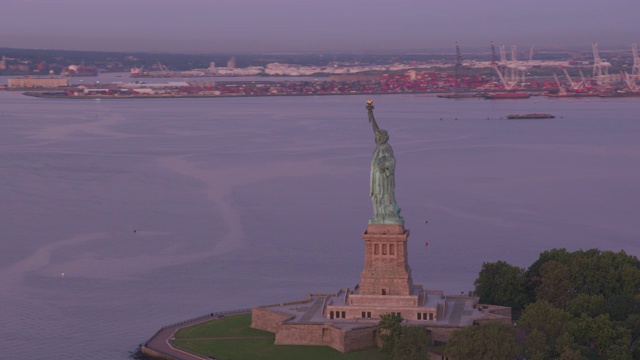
x=382 y=186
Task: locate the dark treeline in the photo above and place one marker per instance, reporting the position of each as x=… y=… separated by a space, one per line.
x=124 y=61
x=572 y=305
x=176 y=61
x=568 y=306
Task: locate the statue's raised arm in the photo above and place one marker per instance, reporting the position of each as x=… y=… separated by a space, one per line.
x=372 y=119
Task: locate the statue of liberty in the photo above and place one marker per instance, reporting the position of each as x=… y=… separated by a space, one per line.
x=383 y=182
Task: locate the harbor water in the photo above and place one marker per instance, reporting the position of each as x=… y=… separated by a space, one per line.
x=118 y=217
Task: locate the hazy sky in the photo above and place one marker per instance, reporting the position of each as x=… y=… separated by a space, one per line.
x=207 y=26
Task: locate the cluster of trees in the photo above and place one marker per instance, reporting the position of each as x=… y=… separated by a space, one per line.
x=403 y=342
x=493 y=341
x=574 y=305
x=571 y=306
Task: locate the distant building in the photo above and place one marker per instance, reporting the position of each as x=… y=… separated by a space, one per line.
x=232 y=63
x=29 y=82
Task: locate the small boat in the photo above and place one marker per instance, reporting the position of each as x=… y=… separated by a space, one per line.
x=459 y=95
x=619 y=93
x=530 y=116
x=572 y=95
x=508 y=95
x=79 y=70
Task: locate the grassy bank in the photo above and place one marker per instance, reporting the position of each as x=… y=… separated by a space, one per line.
x=232 y=338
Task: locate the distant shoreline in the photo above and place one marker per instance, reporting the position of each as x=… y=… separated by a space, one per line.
x=193 y=96
x=64 y=96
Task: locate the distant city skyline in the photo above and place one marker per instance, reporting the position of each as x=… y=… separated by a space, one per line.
x=246 y=26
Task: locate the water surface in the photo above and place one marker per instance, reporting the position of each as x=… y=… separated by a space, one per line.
x=160 y=210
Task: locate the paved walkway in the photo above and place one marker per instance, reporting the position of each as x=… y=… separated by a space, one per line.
x=313 y=310
x=160 y=341
x=457 y=312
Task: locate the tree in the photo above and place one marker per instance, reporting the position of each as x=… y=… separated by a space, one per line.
x=621 y=306
x=603 y=336
x=412 y=344
x=501 y=284
x=537 y=346
x=554 y=284
x=403 y=342
x=490 y=341
x=559 y=255
x=566 y=345
x=596 y=272
x=533 y=272
x=587 y=303
x=545 y=317
x=592 y=305
x=390 y=327
x=618 y=353
x=555 y=324
x=632 y=323
x=570 y=354
x=559 y=277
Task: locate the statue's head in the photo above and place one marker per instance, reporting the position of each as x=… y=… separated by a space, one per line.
x=381 y=136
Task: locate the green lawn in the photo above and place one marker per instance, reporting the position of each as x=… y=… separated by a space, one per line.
x=228 y=326
x=246 y=346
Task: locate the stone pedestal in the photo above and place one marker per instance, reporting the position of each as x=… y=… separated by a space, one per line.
x=386 y=267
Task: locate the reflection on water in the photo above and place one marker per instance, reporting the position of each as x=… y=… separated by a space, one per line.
x=159 y=210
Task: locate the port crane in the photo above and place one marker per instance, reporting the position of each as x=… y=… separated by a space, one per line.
x=503 y=57
x=507 y=83
x=512 y=65
x=635 y=70
x=575 y=86
x=518 y=71
x=458 y=68
x=494 y=58
x=509 y=72
x=585 y=84
x=3 y=61
x=629 y=79
x=161 y=67
x=572 y=84
x=561 y=89
x=600 y=67
x=529 y=62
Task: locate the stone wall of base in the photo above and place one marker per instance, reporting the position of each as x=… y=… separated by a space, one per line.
x=361 y=339
x=154 y=354
x=384 y=300
x=302 y=334
x=354 y=313
x=326 y=335
x=267 y=320
x=441 y=333
x=352 y=339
